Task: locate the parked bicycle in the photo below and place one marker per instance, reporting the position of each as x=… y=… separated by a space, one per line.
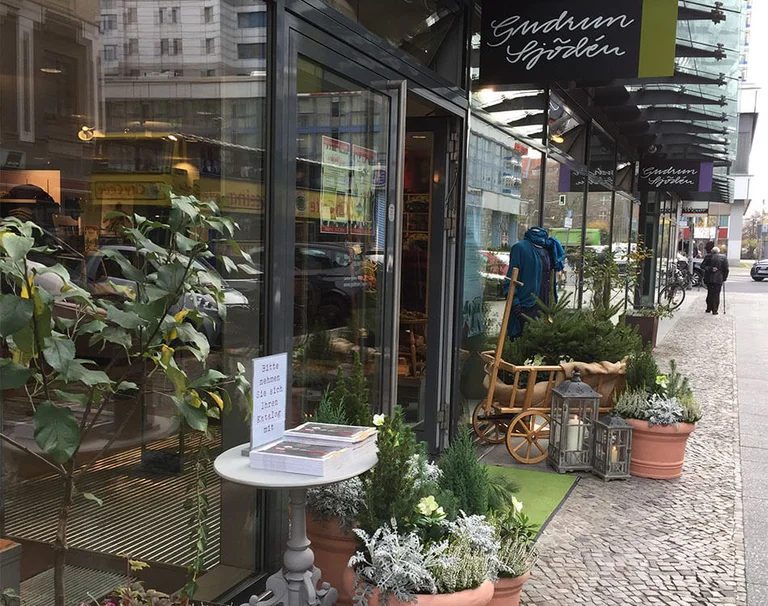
x=673 y=293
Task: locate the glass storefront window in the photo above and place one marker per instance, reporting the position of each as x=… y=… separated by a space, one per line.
x=503 y=187
x=101 y=118
x=343 y=137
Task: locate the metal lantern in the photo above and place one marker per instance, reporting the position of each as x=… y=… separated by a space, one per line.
x=573 y=412
x=612 y=447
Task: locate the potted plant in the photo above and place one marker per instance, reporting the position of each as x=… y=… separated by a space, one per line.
x=646 y=320
x=516 y=537
x=662 y=416
x=10 y=561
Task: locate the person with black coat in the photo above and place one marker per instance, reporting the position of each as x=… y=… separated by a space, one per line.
x=715 y=268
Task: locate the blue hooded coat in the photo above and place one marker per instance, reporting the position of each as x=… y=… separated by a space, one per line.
x=525 y=257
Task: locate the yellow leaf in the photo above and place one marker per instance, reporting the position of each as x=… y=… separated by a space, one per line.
x=172 y=335
x=166 y=356
x=194 y=399
x=179 y=316
x=137 y=565
x=217 y=398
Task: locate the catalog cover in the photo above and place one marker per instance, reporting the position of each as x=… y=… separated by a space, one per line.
x=328 y=432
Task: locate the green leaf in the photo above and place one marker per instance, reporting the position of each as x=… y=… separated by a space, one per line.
x=59 y=353
x=92 y=497
x=129 y=270
x=126 y=386
x=118 y=336
x=143 y=243
x=13 y=375
x=76 y=371
x=249 y=269
x=187 y=333
x=185 y=244
x=176 y=376
x=125 y=319
x=56 y=431
x=229 y=265
x=184 y=204
x=91 y=327
x=171 y=276
x=15 y=314
x=196 y=418
x=58 y=270
x=16 y=246
x=43 y=302
x=208 y=379
x=68 y=396
x=23 y=340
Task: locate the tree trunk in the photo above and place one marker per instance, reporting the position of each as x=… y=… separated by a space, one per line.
x=60 y=542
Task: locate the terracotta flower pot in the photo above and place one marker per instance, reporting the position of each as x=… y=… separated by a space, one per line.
x=332 y=547
x=507 y=590
x=471 y=597
x=658 y=451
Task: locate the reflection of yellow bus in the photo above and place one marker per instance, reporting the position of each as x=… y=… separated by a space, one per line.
x=134 y=171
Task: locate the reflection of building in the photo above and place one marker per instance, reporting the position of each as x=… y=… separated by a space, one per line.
x=48 y=91
x=185 y=66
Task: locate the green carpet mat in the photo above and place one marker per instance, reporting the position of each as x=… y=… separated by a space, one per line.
x=541 y=493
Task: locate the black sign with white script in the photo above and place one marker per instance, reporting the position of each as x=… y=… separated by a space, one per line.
x=675 y=175
x=557 y=40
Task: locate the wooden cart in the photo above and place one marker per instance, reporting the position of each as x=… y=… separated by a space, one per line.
x=520 y=420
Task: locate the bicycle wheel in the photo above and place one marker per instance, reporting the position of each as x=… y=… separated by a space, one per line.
x=672 y=296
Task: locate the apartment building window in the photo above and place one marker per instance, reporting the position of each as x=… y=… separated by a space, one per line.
x=133 y=46
x=208 y=14
x=251 y=51
x=176 y=46
x=164 y=46
x=249 y=20
x=110 y=52
x=210 y=46
x=108 y=23
x=130 y=16
x=107 y=5
x=210 y=73
x=169 y=15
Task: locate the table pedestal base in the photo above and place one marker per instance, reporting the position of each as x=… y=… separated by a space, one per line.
x=296 y=583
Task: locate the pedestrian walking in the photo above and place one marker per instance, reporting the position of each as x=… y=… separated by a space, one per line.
x=715 y=268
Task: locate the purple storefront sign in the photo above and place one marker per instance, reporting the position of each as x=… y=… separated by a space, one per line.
x=676 y=176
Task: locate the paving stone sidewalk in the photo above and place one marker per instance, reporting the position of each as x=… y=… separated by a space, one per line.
x=660 y=542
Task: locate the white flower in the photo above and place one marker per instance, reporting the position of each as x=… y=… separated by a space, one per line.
x=378 y=420
x=517 y=505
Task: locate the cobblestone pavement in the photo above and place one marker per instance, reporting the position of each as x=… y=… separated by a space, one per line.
x=660 y=542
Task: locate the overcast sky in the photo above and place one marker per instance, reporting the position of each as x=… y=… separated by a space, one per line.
x=758 y=73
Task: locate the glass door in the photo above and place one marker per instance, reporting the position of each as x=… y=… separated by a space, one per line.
x=347 y=206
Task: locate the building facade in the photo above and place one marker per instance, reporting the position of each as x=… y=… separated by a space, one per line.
x=378 y=190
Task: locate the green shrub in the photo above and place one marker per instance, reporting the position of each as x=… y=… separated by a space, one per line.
x=389 y=488
x=464 y=475
x=356 y=404
x=329 y=411
x=642 y=370
x=561 y=333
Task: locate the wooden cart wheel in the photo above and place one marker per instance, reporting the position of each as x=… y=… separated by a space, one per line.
x=525 y=436
x=490 y=427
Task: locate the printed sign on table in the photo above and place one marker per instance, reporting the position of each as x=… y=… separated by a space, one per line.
x=335 y=186
x=268 y=391
x=360 y=221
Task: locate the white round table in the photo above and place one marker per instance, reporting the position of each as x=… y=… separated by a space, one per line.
x=296 y=583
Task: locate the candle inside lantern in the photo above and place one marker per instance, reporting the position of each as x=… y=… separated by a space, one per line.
x=573 y=439
x=614 y=454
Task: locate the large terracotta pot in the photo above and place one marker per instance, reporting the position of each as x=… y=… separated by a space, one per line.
x=471 y=597
x=658 y=451
x=507 y=590
x=332 y=547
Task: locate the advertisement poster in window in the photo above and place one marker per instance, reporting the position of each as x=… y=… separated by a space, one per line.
x=363 y=161
x=335 y=186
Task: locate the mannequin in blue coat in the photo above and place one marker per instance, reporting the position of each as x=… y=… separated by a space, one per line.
x=538 y=257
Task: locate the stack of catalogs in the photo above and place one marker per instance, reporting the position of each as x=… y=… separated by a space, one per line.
x=315 y=449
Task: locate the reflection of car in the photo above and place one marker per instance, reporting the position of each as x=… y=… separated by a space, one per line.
x=334 y=287
x=759 y=271
x=104 y=278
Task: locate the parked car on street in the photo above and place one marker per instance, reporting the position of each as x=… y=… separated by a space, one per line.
x=759 y=271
